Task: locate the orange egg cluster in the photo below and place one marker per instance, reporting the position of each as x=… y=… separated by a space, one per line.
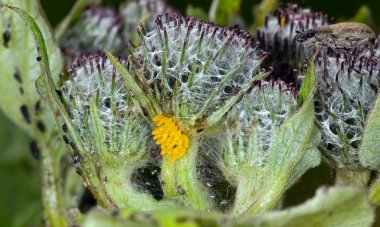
x=171 y=139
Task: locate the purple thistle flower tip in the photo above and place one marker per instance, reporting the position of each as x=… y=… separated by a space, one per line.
x=198 y=57
x=277 y=37
x=343 y=102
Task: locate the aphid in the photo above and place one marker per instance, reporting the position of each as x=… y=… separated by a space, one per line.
x=340 y=38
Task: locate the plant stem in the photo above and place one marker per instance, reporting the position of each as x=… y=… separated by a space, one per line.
x=345 y=176
x=269 y=198
x=245 y=196
x=180 y=177
x=51 y=192
x=374 y=193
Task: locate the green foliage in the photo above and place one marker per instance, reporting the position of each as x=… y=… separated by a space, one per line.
x=19 y=65
x=374 y=193
x=196 y=12
x=369 y=149
x=364 y=15
x=224 y=11
x=261 y=11
x=108 y=166
x=338 y=206
x=292 y=155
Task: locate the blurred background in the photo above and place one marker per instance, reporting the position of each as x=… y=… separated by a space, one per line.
x=338 y=9
x=20 y=191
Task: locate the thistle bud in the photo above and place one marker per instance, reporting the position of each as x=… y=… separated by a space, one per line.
x=253 y=153
x=97 y=28
x=344 y=100
x=187 y=74
x=277 y=37
x=111 y=139
x=195 y=67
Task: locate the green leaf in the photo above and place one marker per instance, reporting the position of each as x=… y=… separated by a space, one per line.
x=369 y=152
x=73 y=15
x=19 y=66
x=52 y=148
x=47 y=81
x=363 y=15
x=337 y=206
x=224 y=12
x=309 y=82
x=196 y=12
x=374 y=193
x=261 y=11
x=310 y=159
x=167 y=218
x=290 y=156
x=292 y=153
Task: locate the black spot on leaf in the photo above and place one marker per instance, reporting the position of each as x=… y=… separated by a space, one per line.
x=65 y=139
x=34 y=150
x=6 y=38
x=41 y=126
x=25 y=113
x=17 y=76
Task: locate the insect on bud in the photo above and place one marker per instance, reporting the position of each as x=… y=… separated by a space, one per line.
x=279 y=38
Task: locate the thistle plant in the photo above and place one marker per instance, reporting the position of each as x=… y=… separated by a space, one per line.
x=344 y=102
x=111 y=138
x=344 y=98
x=194 y=72
x=252 y=152
x=196 y=123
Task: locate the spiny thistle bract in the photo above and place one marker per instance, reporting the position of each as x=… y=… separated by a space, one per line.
x=97 y=28
x=197 y=89
x=135 y=12
x=343 y=102
x=194 y=68
x=277 y=36
x=112 y=139
x=244 y=150
x=262 y=109
x=192 y=72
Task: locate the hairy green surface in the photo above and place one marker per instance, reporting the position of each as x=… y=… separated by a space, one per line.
x=19 y=66
x=107 y=172
x=369 y=149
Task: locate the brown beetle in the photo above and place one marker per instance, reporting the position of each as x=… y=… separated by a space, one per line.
x=340 y=38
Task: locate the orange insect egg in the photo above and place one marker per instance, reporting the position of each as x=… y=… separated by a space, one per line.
x=170 y=137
